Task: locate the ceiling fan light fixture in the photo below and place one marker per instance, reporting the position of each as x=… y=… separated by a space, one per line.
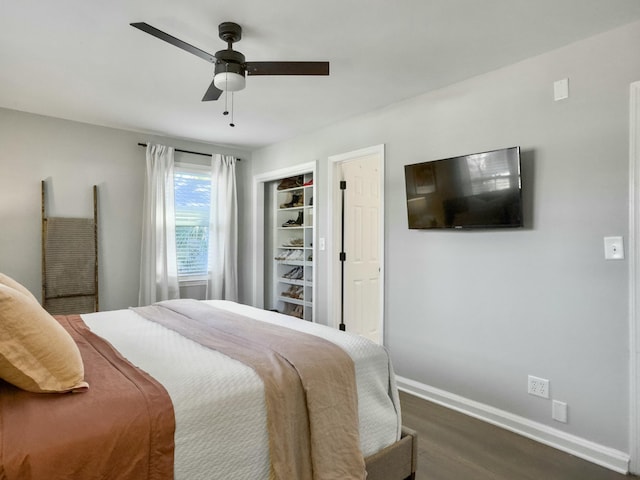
x=229 y=81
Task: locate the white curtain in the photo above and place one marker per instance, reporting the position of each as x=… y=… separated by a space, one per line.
x=223 y=230
x=158 y=264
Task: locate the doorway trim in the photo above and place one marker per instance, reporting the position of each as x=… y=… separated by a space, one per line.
x=258 y=223
x=634 y=278
x=333 y=226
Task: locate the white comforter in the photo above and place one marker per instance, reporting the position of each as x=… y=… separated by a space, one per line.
x=219 y=403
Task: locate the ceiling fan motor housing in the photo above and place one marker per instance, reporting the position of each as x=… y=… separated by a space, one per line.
x=229 y=57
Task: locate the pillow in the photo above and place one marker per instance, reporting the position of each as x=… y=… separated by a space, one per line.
x=36 y=353
x=10 y=282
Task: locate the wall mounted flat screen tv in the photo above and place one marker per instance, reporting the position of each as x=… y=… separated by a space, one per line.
x=481 y=190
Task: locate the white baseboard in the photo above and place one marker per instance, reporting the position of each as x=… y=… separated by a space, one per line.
x=599 y=454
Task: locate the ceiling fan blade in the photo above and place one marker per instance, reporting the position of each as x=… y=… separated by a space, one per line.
x=213 y=93
x=145 y=27
x=287 y=68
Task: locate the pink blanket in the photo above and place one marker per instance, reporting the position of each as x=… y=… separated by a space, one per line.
x=122 y=427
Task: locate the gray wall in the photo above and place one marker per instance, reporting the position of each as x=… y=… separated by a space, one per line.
x=72 y=157
x=473 y=313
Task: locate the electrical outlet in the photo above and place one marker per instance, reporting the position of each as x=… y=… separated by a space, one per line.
x=538 y=386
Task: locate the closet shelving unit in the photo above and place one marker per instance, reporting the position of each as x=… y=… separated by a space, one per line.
x=294 y=249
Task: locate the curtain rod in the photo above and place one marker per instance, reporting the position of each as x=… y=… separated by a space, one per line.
x=187 y=151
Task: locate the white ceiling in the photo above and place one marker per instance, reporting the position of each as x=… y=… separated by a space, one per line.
x=80 y=59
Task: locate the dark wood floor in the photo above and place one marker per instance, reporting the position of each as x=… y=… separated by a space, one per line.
x=454 y=446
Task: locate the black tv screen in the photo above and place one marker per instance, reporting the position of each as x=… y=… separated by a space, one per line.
x=481 y=190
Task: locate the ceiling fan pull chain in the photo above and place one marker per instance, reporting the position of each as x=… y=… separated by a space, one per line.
x=226 y=95
x=226 y=81
x=232 y=124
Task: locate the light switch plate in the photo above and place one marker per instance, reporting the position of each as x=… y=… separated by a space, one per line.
x=561 y=89
x=613 y=248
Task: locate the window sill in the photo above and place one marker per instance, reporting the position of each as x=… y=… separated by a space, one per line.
x=192 y=281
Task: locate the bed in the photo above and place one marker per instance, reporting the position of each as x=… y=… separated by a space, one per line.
x=217 y=423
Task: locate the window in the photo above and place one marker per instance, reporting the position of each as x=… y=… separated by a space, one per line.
x=192 y=184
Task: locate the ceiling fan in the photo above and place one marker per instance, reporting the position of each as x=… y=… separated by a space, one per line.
x=230 y=65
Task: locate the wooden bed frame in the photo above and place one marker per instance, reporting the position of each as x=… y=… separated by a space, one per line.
x=397 y=461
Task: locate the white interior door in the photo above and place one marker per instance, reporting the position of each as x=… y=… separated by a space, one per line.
x=363 y=238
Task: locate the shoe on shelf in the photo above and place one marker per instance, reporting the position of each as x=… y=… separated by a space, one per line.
x=294 y=274
x=289 y=273
x=294 y=242
x=282 y=255
x=294 y=291
x=289 y=255
x=293 y=200
x=286 y=183
x=295 y=223
x=294 y=310
x=287 y=201
x=296 y=255
x=290 y=182
x=287 y=293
